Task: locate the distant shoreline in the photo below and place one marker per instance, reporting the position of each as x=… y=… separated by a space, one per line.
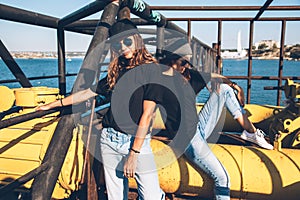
x=81 y=55
x=50 y=55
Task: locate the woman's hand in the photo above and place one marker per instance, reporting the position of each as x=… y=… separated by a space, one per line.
x=75 y=98
x=130 y=164
x=240 y=95
x=44 y=107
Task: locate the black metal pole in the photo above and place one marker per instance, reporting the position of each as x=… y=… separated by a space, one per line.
x=13 y=66
x=27 y=17
x=87 y=10
x=249 y=80
x=61 y=60
x=281 y=56
x=96 y=49
x=22 y=180
x=160 y=42
x=22 y=118
x=43 y=185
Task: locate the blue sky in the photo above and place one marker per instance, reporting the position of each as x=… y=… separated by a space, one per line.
x=19 y=37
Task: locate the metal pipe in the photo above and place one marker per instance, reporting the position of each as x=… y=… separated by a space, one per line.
x=4 y=190
x=22 y=118
x=160 y=42
x=13 y=66
x=96 y=49
x=265 y=77
x=219 y=59
x=189 y=31
x=61 y=60
x=27 y=17
x=83 y=12
x=58 y=146
x=43 y=184
x=262 y=10
x=249 y=81
x=33 y=18
x=280 y=69
x=222 y=8
x=233 y=19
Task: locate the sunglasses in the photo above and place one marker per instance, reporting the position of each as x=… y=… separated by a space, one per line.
x=183 y=62
x=118 y=45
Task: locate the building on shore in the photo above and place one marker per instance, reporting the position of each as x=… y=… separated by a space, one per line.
x=267 y=44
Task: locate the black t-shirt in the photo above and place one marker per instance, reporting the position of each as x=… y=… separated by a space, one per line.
x=173 y=95
x=198 y=79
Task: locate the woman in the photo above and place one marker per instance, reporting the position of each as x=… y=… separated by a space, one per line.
x=222 y=95
x=125 y=140
x=198 y=151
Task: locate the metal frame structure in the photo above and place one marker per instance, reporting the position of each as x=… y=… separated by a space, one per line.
x=99 y=30
x=74 y=23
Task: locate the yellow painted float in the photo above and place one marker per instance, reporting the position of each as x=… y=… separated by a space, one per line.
x=23 y=146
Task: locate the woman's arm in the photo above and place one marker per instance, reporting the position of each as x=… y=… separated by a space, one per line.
x=72 y=99
x=233 y=85
x=143 y=128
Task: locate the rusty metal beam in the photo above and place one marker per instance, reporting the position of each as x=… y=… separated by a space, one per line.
x=85 y=11
x=221 y=8
x=27 y=17
x=233 y=19
x=281 y=57
x=4 y=190
x=262 y=10
x=265 y=77
x=61 y=139
x=13 y=66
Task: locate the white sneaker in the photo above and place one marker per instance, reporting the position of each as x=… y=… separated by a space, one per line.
x=257 y=138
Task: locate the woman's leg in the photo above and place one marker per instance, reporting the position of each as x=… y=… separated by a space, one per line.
x=146 y=174
x=201 y=155
x=112 y=159
x=114 y=149
x=210 y=113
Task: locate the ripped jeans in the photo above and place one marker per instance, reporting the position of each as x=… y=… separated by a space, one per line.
x=199 y=152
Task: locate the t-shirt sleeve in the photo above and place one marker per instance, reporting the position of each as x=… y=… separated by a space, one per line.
x=101 y=88
x=151 y=75
x=153 y=92
x=199 y=79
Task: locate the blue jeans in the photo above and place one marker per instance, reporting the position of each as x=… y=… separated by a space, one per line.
x=114 y=149
x=199 y=152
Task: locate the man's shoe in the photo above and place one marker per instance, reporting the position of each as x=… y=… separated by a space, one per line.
x=257 y=138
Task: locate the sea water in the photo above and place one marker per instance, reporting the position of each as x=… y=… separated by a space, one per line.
x=48 y=67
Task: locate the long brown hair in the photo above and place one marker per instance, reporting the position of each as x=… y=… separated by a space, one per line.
x=180 y=61
x=141 y=56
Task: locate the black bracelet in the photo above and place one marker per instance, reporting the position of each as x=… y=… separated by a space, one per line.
x=233 y=84
x=135 y=151
x=62 y=105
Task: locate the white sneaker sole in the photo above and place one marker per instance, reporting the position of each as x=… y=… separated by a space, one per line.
x=265 y=146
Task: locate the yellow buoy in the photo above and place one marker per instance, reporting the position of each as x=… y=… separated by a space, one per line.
x=7 y=102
